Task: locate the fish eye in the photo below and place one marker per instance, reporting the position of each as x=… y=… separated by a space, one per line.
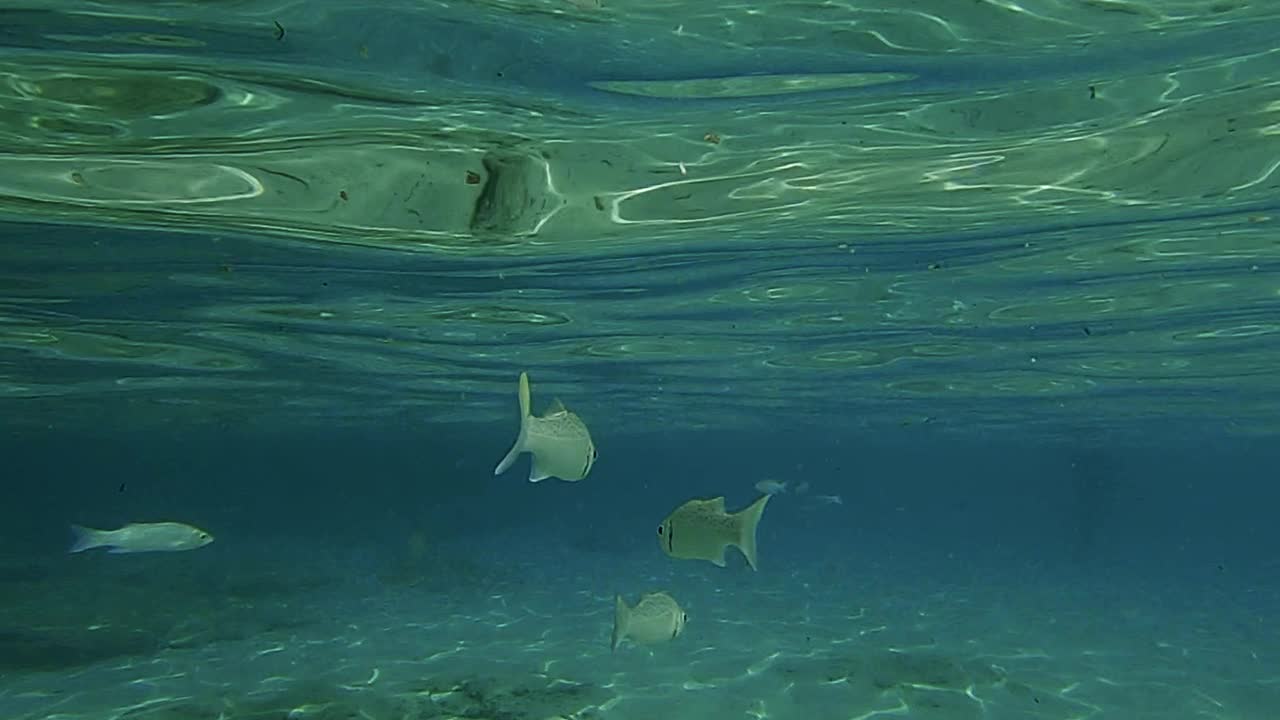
x=659 y=529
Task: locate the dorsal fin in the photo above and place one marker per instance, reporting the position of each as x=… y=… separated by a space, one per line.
x=555 y=408
x=717 y=503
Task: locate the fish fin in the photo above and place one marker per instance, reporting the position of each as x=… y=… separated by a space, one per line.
x=747 y=521
x=717 y=503
x=536 y=473
x=621 y=616
x=718 y=560
x=118 y=551
x=84 y=538
x=555 y=407
x=523 y=438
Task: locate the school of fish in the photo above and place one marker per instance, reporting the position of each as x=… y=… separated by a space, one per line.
x=560 y=446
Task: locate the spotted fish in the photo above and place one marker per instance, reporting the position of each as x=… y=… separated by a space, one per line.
x=701 y=530
x=656 y=618
x=558 y=442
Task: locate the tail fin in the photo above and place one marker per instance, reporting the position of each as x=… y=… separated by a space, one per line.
x=748 y=519
x=84 y=539
x=519 y=447
x=621 y=617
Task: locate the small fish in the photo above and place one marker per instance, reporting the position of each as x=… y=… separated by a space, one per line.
x=701 y=530
x=656 y=618
x=558 y=441
x=771 y=487
x=829 y=499
x=141 y=537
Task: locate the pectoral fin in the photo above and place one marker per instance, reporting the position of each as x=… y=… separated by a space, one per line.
x=718 y=560
x=621 y=616
x=536 y=472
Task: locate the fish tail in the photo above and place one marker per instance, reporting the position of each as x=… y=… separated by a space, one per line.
x=85 y=538
x=621 y=617
x=522 y=438
x=748 y=519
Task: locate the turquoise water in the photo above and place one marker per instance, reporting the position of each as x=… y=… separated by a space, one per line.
x=999 y=275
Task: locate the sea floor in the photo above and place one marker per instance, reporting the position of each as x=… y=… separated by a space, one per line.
x=470 y=632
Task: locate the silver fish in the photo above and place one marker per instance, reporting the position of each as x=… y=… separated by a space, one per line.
x=771 y=487
x=141 y=537
x=559 y=442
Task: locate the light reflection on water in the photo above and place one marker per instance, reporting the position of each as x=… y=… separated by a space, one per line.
x=1039 y=215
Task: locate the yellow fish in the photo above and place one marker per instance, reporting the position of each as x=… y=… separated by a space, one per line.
x=656 y=618
x=558 y=441
x=701 y=530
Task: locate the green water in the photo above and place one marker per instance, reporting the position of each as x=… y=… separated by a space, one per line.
x=1059 y=217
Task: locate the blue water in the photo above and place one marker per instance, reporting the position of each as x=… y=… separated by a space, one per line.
x=992 y=287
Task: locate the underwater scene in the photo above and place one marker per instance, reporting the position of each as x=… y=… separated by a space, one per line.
x=622 y=360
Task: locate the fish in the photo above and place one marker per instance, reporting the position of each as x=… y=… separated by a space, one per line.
x=771 y=487
x=701 y=530
x=559 y=442
x=829 y=499
x=656 y=618
x=141 y=537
